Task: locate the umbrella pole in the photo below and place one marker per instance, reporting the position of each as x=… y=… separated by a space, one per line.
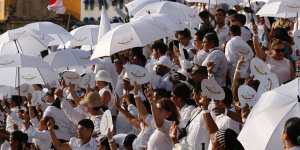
x=15 y=41
x=18 y=76
x=208 y=5
x=297 y=21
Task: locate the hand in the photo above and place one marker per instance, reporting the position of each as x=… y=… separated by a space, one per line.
x=173 y=131
x=204 y=102
x=117 y=103
x=50 y=125
x=71 y=87
x=136 y=88
x=240 y=62
x=110 y=133
x=210 y=67
x=149 y=93
x=254 y=28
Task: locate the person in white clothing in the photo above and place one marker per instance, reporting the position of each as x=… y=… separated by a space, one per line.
x=221 y=28
x=13 y=121
x=291 y=134
x=83 y=141
x=235 y=48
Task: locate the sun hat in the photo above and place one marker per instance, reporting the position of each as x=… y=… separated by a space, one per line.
x=103 y=75
x=212 y=89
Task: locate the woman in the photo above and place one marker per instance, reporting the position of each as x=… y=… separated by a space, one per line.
x=275 y=59
x=291 y=134
x=164 y=115
x=18 y=141
x=103 y=85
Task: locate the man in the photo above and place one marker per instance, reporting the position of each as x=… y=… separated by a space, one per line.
x=235 y=48
x=221 y=28
x=215 y=62
x=201 y=54
x=84 y=141
x=240 y=20
x=163 y=68
x=185 y=44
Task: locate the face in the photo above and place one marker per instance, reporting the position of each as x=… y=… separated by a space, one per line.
x=49 y=99
x=197 y=42
x=233 y=21
x=183 y=40
x=83 y=133
x=219 y=107
x=119 y=67
x=220 y=17
x=206 y=44
x=162 y=111
x=155 y=54
x=100 y=84
x=277 y=52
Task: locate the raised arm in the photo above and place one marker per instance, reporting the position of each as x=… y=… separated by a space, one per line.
x=259 y=52
x=210 y=123
x=56 y=143
x=143 y=113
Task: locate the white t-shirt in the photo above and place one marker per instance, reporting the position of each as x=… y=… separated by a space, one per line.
x=143 y=137
x=75 y=144
x=160 y=139
x=200 y=57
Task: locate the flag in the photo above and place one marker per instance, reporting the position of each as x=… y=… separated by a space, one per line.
x=104 y=23
x=57 y=6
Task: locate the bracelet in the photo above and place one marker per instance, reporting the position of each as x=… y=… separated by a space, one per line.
x=137 y=95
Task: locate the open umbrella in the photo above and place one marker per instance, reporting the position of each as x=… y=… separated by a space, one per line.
x=136 y=5
x=264 y=126
x=68 y=58
x=175 y=11
x=84 y=35
x=281 y=9
x=134 y=34
x=23 y=41
x=216 y=2
x=57 y=32
x=18 y=69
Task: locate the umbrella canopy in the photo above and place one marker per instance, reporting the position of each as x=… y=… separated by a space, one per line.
x=84 y=35
x=175 y=11
x=281 y=9
x=57 y=32
x=23 y=41
x=19 y=69
x=136 y=5
x=134 y=34
x=68 y=58
x=104 y=23
x=262 y=130
x=216 y=2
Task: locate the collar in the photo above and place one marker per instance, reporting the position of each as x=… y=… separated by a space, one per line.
x=212 y=49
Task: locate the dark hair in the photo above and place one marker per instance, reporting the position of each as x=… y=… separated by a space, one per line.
x=282 y=34
x=104 y=142
x=138 y=52
x=200 y=34
x=87 y=123
x=21 y=137
x=228 y=138
x=240 y=18
x=17 y=99
x=169 y=106
x=222 y=11
x=160 y=46
x=228 y=97
x=235 y=30
x=186 y=33
x=129 y=140
x=182 y=91
x=231 y=12
x=212 y=37
x=204 y=14
x=292 y=129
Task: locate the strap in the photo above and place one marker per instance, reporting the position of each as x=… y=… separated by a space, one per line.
x=189 y=122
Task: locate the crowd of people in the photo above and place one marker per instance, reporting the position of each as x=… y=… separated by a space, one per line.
x=197 y=97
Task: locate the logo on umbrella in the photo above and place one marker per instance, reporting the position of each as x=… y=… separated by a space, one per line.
x=259 y=71
x=28 y=77
x=126 y=42
x=213 y=90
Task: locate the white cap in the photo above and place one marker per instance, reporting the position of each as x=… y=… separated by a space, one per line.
x=247 y=95
x=165 y=61
x=102 y=75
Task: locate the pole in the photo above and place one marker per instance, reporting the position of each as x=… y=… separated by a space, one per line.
x=208 y=6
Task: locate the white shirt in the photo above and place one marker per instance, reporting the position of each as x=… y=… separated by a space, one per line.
x=66 y=129
x=75 y=144
x=197 y=132
x=236 y=47
x=185 y=115
x=246 y=34
x=165 y=83
x=122 y=125
x=224 y=122
x=223 y=34
x=13 y=119
x=220 y=69
x=160 y=139
x=200 y=57
x=143 y=137
x=37 y=98
x=188 y=48
x=41 y=139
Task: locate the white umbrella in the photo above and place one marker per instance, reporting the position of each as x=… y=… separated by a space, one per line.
x=264 y=126
x=174 y=10
x=84 y=35
x=19 y=69
x=68 y=58
x=281 y=9
x=164 y=21
x=134 y=34
x=23 y=41
x=216 y=2
x=57 y=32
x=136 y=5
